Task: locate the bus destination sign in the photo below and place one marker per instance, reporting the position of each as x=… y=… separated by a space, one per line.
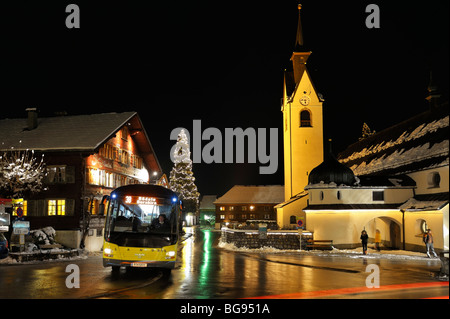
x=140 y=200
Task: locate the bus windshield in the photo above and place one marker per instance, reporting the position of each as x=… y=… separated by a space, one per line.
x=142 y=215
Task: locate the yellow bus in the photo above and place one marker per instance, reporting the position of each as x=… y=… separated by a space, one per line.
x=141 y=227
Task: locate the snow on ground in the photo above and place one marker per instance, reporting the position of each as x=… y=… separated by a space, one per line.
x=58 y=252
x=350 y=253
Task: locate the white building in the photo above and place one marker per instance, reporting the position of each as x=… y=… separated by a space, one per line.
x=394 y=182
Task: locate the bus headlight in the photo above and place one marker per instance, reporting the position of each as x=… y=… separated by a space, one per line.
x=170 y=254
x=108 y=252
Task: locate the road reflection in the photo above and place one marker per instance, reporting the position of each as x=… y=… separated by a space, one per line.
x=206 y=271
x=205 y=263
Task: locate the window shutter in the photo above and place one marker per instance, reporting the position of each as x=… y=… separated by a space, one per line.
x=70 y=174
x=70 y=207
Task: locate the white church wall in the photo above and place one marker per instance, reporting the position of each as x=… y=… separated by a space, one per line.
x=417 y=222
x=424 y=180
x=344 y=227
x=354 y=195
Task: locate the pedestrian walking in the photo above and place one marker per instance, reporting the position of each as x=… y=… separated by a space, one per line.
x=364 y=239
x=429 y=243
x=377 y=239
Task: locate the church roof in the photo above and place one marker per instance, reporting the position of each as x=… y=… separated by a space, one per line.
x=331 y=171
x=422 y=202
x=418 y=143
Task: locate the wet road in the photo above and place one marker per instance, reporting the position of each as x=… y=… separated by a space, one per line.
x=205 y=271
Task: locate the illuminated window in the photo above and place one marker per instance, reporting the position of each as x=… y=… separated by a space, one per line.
x=136 y=161
x=61 y=207
x=56 y=207
x=125 y=158
x=222 y=208
x=94 y=177
x=252 y=208
x=305 y=118
x=222 y=216
x=51 y=207
x=56 y=174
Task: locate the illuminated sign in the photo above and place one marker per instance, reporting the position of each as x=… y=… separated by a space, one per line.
x=141 y=200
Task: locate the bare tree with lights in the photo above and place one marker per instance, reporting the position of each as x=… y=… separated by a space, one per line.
x=20 y=173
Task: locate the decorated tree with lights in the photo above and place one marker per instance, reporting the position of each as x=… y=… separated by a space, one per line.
x=21 y=173
x=182 y=180
x=366 y=132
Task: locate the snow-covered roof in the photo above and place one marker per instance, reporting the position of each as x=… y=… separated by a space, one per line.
x=77 y=132
x=207 y=202
x=239 y=194
x=418 y=143
x=426 y=202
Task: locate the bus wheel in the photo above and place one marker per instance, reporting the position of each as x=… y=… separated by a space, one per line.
x=166 y=272
x=115 y=269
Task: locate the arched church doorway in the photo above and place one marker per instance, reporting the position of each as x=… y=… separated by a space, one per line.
x=395 y=236
x=388 y=229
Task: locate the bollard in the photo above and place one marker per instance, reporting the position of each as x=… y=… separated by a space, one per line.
x=444 y=263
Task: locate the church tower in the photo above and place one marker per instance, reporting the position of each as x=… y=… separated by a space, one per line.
x=302 y=121
x=302 y=131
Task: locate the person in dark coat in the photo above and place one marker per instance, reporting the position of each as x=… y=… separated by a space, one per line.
x=364 y=240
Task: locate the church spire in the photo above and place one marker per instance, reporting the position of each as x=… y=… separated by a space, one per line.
x=299 y=37
x=299 y=57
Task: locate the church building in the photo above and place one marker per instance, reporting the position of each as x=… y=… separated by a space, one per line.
x=393 y=184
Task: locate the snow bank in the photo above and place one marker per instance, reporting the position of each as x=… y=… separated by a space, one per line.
x=44 y=235
x=350 y=253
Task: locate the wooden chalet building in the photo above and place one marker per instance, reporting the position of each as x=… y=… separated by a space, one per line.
x=248 y=204
x=87 y=156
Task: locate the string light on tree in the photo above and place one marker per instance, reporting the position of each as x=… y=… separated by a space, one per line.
x=20 y=172
x=182 y=180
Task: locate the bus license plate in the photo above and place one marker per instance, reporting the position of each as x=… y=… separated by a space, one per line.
x=138 y=265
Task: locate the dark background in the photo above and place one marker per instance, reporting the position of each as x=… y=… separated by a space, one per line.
x=222 y=62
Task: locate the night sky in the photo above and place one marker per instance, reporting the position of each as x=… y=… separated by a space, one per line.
x=222 y=62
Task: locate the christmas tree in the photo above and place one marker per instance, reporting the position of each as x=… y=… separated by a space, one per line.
x=366 y=131
x=182 y=180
